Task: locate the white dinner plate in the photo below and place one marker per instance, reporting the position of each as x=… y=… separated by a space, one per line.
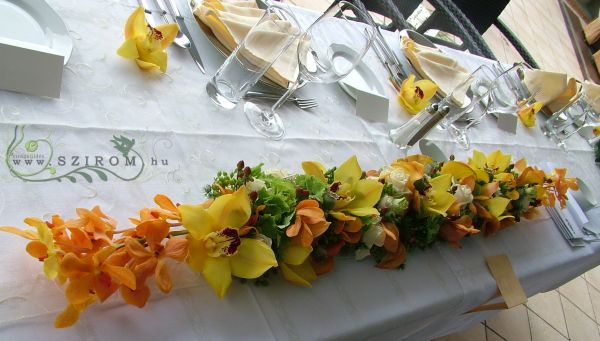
x=34 y=21
x=361 y=78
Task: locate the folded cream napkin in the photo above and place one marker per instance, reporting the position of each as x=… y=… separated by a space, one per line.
x=592 y=92
x=554 y=89
x=433 y=64
x=230 y=21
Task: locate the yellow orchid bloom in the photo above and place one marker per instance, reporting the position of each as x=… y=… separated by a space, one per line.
x=295 y=265
x=358 y=196
x=459 y=170
x=496 y=206
x=147 y=44
x=315 y=169
x=437 y=198
x=415 y=96
x=494 y=163
x=51 y=261
x=216 y=248
x=527 y=114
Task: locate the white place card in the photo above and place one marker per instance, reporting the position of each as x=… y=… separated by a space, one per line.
x=30 y=68
x=508 y=122
x=371 y=106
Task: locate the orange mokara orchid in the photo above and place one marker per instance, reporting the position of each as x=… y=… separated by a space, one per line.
x=350 y=230
x=310 y=222
x=453 y=231
x=91 y=277
x=396 y=251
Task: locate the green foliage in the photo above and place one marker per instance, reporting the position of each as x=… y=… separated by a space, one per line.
x=329 y=175
x=419 y=229
x=232 y=180
x=315 y=187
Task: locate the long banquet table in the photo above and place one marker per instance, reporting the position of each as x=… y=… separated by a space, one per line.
x=182 y=140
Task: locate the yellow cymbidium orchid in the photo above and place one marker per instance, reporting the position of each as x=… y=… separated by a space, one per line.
x=527 y=114
x=437 y=198
x=295 y=265
x=358 y=196
x=494 y=163
x=496 y=206
x=459 y=170
x=315 y=169
x=147 y=44
x=415 y=96
x=41 y=246
x=216 y=248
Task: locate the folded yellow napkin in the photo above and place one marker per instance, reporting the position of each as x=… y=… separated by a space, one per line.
x=592 y=92
x=230 y=21
x=554 y=89
x=433 y=64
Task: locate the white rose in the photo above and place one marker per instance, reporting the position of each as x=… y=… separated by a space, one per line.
x=255 y=185
x=463 y=195
x=386 y=202
x=399 y=178
x=374 y=236
x=385 y=172
x=362 y=253
x=276 y=172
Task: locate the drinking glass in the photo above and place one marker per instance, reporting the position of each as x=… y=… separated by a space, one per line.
x=507 y=94
x=265 y=42
x=329 y=50
x=576 y=116
x=467 y=94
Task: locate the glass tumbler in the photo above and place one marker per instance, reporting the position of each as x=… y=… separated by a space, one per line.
x=578 y=115
x=265 y=42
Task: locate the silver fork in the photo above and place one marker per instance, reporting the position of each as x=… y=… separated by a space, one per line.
x=302 y=103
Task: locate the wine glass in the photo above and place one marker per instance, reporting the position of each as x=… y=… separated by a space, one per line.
x=506 y=94
x=328 y=50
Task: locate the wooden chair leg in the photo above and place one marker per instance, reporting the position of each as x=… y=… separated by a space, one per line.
x=592 y=31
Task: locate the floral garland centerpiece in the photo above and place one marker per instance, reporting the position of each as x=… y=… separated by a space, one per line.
x=257 y=221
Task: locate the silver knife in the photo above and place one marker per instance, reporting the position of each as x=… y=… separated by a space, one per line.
x=181 y=22
x=148 y=13
x=181 y=39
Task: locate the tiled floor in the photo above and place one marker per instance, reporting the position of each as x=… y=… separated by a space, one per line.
x=571 y=312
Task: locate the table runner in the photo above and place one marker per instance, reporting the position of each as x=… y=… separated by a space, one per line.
x=171 y=121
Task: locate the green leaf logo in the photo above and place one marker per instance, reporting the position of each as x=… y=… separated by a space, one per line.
x=31 y=146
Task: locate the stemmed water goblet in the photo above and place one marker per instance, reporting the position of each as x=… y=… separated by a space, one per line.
x=328 y=50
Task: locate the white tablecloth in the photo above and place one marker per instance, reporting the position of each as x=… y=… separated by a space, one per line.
x=182 y=139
